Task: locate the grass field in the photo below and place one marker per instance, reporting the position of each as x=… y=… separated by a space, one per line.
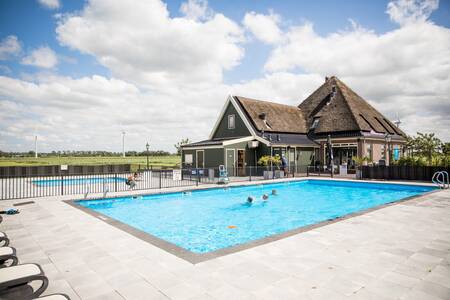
x=155 y=161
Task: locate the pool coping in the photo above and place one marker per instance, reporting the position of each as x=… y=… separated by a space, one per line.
x=195 y=258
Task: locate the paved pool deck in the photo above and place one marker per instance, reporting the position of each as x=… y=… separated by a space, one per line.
x=400 y=251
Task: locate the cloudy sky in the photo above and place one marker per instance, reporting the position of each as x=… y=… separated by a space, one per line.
x=78 y=73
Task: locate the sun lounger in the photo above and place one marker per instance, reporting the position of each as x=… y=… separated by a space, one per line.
x=4 y=241
x=15 y=281
x=8 y=254
x=54 y=297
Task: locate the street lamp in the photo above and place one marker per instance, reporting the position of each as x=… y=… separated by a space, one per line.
x=387 y=139
x=148 y=147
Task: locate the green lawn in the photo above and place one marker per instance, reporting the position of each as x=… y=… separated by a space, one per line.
x=156 y=161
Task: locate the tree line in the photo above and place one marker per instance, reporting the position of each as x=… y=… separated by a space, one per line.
x=73 y=153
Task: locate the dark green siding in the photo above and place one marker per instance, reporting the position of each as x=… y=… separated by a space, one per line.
x=214 y=158
x=240 y=130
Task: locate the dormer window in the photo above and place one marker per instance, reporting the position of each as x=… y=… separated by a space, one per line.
x=315 y=123
x=231 y=121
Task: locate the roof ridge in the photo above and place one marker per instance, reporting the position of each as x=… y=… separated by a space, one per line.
x=267 y=101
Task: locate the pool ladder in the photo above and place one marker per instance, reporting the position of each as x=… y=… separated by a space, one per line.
x=441 y=179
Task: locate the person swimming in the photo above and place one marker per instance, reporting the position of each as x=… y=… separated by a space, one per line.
x=274 y=192
x=250 y=199
x=265 y=197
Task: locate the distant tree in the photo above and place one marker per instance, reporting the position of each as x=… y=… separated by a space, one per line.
x=427 y=144
x=181 y=143
x=446 y=148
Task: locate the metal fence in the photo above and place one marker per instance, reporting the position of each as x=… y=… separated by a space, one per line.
x=19 y=186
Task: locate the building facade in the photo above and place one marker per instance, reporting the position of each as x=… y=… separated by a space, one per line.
x=248 y=129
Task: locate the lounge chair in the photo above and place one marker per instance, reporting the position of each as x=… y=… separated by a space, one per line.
x=15 y=281
x=6 y=254
x=54 y=297
x=4 y=241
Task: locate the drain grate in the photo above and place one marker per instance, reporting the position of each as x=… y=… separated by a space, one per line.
x=23 y=203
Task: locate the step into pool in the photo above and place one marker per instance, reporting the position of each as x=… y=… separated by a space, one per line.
x=204 y=221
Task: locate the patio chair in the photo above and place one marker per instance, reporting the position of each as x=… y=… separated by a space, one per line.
x=8 y=254
x=15 y=281
x=4 y=241
x=54 y=297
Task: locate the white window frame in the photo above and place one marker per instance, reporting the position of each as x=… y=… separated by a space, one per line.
x=232 y=116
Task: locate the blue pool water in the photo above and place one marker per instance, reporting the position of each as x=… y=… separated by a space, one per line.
x=200 y=221
x=71 y=181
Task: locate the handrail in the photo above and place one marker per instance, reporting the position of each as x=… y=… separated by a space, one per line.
x=441 y=183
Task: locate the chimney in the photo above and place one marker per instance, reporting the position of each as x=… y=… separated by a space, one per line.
x=262 y=116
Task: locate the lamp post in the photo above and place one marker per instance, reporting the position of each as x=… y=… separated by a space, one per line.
x=387 y=139
x=148 y=147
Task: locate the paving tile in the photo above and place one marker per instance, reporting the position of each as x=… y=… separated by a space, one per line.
x=140 y=290
x=183 y=291
x=433 y=289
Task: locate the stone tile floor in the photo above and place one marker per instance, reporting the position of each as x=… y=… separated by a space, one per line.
x=397 y=252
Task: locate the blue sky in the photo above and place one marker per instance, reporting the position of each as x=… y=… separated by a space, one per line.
x=276 y=50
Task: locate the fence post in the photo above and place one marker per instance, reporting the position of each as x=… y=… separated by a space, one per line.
x=198 y=177
x=160 y=179
x=250 y=178
x=62 y=184
x=115 y=182
x=307 y=171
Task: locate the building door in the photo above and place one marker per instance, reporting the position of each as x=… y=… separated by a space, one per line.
x=200 y=159
x=229 y=161
x=291 y=160
x=304 y=157
x=241 y=162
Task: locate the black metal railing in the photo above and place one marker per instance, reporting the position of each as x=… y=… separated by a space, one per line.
x=31 y=186
x=319 y=170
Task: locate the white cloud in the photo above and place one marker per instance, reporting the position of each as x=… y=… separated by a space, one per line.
x=196 y=9
x=50 y=4
x=138 y=41
x=405 y=12
x=9 y=46
x=42 y=57
x=264 y=27
x=167 y=77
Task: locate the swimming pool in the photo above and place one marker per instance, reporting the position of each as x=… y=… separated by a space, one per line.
x=73 y=181
x=203 y=221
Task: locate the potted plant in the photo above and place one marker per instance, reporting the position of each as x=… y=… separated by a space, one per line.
x=268 y=162
x=360 y=161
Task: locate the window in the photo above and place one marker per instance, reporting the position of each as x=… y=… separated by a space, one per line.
x=188 y=159
x=231 y=122
x=369 y=151
x=315 y=123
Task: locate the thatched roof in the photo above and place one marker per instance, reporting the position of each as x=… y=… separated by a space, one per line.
x=345 y=112
x=278 y=117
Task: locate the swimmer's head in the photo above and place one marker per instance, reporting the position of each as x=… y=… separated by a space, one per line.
x=274 y=192
x=265 y=197
x=250 y=199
